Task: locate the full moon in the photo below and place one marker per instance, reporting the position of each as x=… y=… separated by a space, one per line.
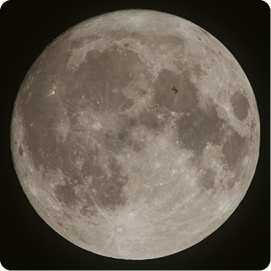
x=135 y=134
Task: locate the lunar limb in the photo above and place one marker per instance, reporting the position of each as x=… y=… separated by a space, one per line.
x=135 y=134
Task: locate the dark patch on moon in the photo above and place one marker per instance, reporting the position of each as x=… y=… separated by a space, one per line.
x=206 y=179
x=100 y=74
x=234 y=150
x=107 y=190
x=86 y=210
x=65 y=194
x=150 y=121
x=54 y=154
x=197 y=127
x=138 y=146
x=172 y=41
x=21 y=152
x=40 y=139
x=179 y=102
x=41 y=113
x=126 y=44
x=230 y=182
x=126 y=140
x=240 y=105
x=97 y=77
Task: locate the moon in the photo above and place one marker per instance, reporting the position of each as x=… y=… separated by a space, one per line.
x=135 y=134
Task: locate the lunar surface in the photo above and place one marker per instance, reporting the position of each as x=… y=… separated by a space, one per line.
x=135 y=134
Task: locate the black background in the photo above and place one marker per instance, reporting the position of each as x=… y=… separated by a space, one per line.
x=27 y=242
